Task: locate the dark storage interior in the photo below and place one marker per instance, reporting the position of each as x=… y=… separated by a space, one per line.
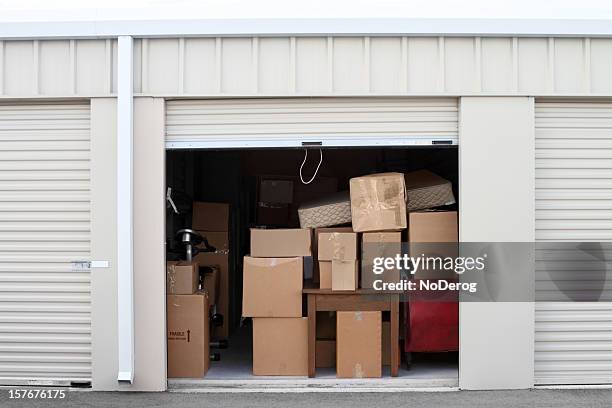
x=234 y=177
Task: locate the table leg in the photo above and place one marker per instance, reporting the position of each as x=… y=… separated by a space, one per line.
x=312 y=333
x=394 y=337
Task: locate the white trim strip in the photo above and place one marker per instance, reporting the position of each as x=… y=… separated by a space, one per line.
x=125 y=250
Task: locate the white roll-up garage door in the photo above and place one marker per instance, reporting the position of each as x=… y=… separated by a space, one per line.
x=45 y=327
x=325 y=121
x=573 y=203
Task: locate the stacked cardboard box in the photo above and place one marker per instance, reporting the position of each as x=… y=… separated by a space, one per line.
x=272 y=295
x=212 y=220
x=337 y=253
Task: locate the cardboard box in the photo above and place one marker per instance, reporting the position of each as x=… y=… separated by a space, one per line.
x=276 y=215
x=280 y=346
x=182 y=278
x=326 y=326
x=331 y=210
x=275 y=190
x=385 y=244
x=188 y=335
x=325 y=275
x=358 y=345
x=434 y=233
x=280 y=242
x=433 y=226
x=325 y=353
x=315 y=245
x=427 y=190
x=209 y=277
x=378 y=202
x=220 y=258
x=272 y=287
x=345 y=275
x=337 y=246
x=210 y=216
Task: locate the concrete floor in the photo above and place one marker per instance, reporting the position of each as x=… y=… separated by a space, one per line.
x=234 y=372
x=499 y=399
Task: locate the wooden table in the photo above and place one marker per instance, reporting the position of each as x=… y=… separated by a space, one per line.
x=326 y=300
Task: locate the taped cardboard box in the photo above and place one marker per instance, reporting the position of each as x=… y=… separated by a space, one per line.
x=331 y=210
x=181 y=278
x=315 y=245
x=427 y=190
x=434 y=233
x=378 y=202
x=280 y=242
x=209 y=276
x=272 y=287
x=382 y=244
x=337 y=246
x=358 y=345
x=220 y=258
x=188 y=335
x=210 y=216
x=325 y=353
x=345 y=275
x=280 y=346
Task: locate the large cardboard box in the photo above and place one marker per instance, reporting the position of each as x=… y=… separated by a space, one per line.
x=337 y=246
x=325 y=353
x=210 y=216
x=280 y=242
x=334 y=209
x=378 y=202
x=345 y=274
x=275 y=190
x=181 y=278
x=427 y=190
x=272 y=287
x=280 y=346
x=383 y=244
x=325 y=275
x=220 y=258
x=434 y=233
x=358 y=345
x=188 y=335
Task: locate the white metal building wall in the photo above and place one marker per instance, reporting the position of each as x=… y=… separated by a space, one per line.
x=573 y=203
x=290 y=122
x=45 y=243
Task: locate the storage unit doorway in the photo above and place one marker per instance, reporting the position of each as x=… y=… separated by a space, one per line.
x=217 y=148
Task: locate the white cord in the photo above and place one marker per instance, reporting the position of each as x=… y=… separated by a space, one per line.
x=317 y=169
x=170 y=200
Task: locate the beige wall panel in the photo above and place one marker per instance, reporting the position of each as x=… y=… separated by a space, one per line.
x=497 y=65
x=349 y=65
x=601 y=65
x=312 y=66
x=533 y=75
x=387 y=74
x=163 y=67
x=149 y=245
x=200 y=66
x=91 y=67
x=423 y=64
x=274 y=65
x=104 y=243
x=569 y=68
x=460 y=64
x=113 y=55
x=237 y=66
x=137 y=64
x=54 y=70
x=19 y=68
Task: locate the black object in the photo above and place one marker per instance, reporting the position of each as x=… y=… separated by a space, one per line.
x=189 y=239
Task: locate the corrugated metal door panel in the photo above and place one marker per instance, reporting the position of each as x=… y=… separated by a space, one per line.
x=573 y=203
x=45 y=316
x=289 y=122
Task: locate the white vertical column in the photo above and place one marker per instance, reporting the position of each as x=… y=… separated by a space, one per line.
x=125 y=250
